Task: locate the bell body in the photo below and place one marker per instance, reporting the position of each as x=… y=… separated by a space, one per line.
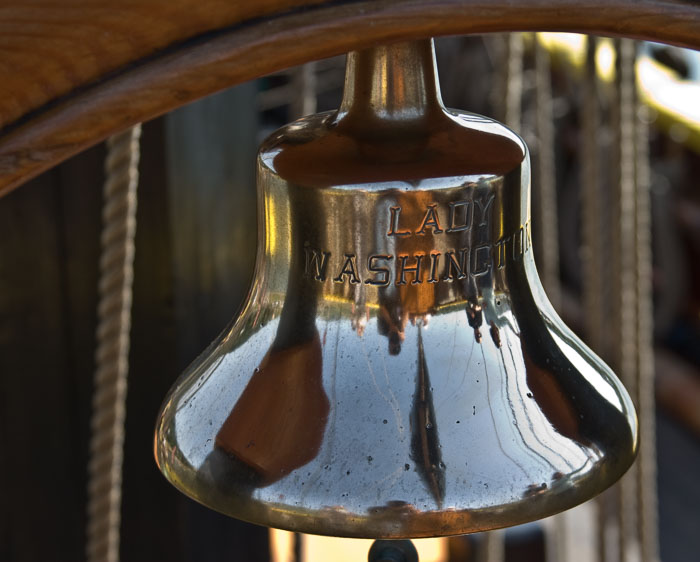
x=396 y=370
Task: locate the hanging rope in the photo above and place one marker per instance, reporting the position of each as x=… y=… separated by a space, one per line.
x=626 y=275
x=594 y=251
x=630 y=513
x=114 y=320
x=646 y=407
x=591 y=203
x=546 y=223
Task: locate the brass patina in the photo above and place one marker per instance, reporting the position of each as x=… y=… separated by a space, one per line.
x=397 y=370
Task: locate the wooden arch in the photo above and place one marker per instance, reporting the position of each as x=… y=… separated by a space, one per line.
x=73 y=72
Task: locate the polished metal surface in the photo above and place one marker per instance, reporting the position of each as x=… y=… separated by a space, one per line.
x=396 y=370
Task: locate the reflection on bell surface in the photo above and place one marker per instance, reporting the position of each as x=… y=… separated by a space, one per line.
x=396 y=370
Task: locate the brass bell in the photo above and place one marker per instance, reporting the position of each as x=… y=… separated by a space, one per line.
x=396 y=370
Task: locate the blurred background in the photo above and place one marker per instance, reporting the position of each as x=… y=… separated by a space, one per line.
x=195 y=249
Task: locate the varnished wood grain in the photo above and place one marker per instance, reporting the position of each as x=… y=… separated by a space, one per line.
x=76 y=71
x=51 y=47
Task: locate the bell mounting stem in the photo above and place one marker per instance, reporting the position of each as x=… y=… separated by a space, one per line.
x=396 y=82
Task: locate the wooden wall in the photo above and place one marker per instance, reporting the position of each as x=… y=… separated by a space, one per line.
x=184 y=294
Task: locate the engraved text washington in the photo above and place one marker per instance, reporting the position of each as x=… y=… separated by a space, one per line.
x=466 y=220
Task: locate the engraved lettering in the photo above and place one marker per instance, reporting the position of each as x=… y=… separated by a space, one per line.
x=456 y=266
x=484 y=208
x=430 y=220
x=415 y=269
x=380 y=271
x=316 y=263
x=461 y=215
x=528 y=236
x=434 y=261
x=522 y=240
x=350 y=269
x=481 y=260
x=518 y=244
x=500 y=252
x=395 y=213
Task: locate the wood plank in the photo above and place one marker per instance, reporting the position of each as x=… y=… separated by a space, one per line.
x=121 y=68
x=47 y=314
x=52 y=47
x=49 y=245
x=211 y=160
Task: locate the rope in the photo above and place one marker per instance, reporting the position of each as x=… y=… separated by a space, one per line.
x=625 y=273
x=591 y=203
x=545 y=220
x=114 y=319
x=593 y=247
x=646 y=473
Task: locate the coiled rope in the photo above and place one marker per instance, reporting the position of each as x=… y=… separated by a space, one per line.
x=112 y=355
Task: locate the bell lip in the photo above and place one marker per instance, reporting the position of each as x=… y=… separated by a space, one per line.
x=397 y=525
x=437 y=523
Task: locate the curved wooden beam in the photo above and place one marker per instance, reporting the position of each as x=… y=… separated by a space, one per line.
x=76 y=71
